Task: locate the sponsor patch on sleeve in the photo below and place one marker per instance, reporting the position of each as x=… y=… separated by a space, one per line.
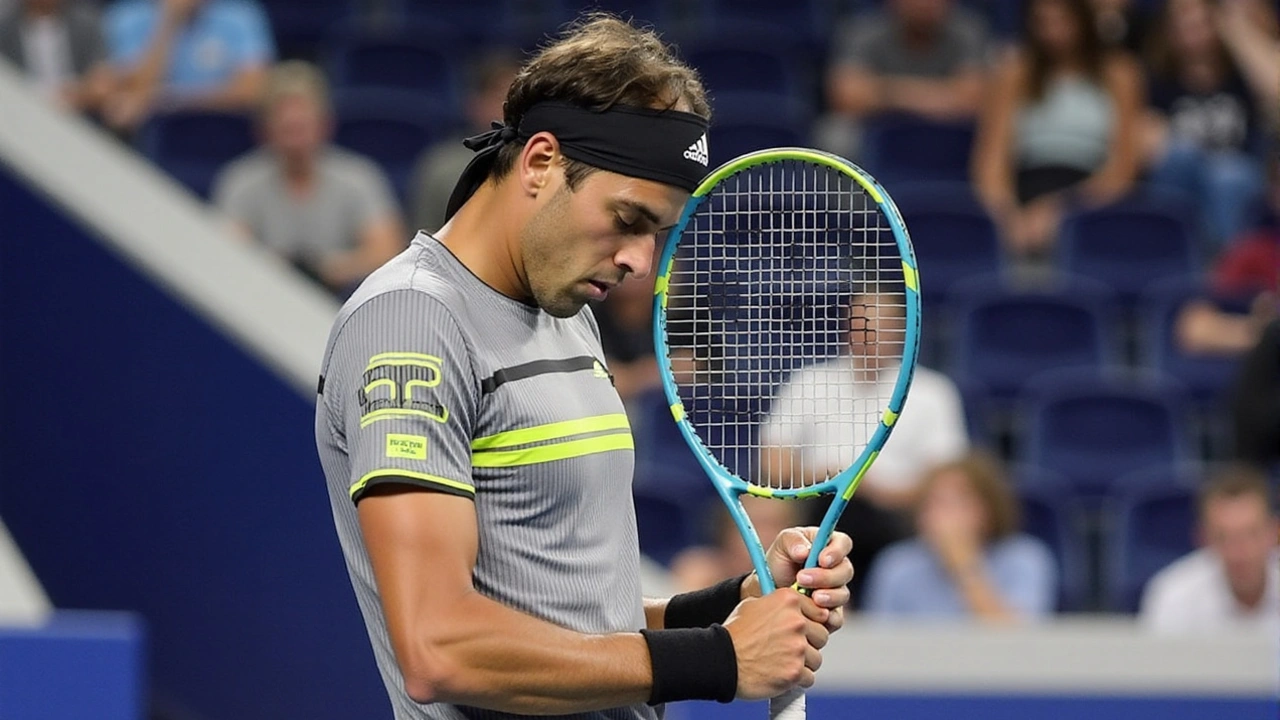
x=409 y=447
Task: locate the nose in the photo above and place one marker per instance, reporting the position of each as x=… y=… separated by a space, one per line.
x=636 y=255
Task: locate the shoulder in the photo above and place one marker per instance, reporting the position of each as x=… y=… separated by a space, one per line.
x=235 y=10
x=349 y=166
x=1121 y=71
x=128 y=13
x=1022 y=548
x=249 y=171
x=966 y=25
x=932 y=386
x=1186 y=575
x=865 y=29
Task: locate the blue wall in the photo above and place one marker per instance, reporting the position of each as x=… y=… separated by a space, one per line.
x=148 y=464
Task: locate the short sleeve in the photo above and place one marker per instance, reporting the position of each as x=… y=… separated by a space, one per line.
x=372 y=193
x=971 y=39
x=128 y=29
x=1028 y=578
x=789 y=422
x=253 y=42
x=401 y=390
x=231 y=193
x=856 y=41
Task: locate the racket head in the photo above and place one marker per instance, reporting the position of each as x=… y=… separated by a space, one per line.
x=797 y=193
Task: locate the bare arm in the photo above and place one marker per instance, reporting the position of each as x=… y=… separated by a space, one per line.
x=1117 y=174
x=140 y=84
x=1203 y=329
x=993 y=160
x=1247 y=31
x=380 y=239
x=457 y=646
x=980 y=595
x=955 y=97
x=855 y=91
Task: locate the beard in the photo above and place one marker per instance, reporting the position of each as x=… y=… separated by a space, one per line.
x=545 y=247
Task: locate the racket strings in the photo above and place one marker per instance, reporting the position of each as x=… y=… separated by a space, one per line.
x=786 y=322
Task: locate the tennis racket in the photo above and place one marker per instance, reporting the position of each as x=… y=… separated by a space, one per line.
x=786 y=317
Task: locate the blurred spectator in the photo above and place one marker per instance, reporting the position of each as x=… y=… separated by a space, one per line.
x=329 y=211
x=1255 y=407
x=969 y=560
x=1122 y=24
x=625 y=319
x=1248 y=27
x=702 y=566
x=922 y=57
x=1060 y=126
x=175 y=54
x=1234 y=580
x=438 y=168
x=1203 y=130
x=1247 y=272
x=820 y=421
x=61 y=50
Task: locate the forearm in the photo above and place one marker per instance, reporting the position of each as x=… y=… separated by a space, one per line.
x=854 y=92
x=144 y=80
x=1258 y=56
x=942 y=99
x=484 y=654
x=655 y=611
x=243 y=92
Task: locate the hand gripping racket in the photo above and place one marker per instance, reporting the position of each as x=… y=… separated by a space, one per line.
x=786 y=317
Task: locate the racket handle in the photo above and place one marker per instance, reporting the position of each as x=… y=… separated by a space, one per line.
x=788 y=706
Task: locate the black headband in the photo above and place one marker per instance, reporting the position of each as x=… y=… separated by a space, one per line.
x=667 y=146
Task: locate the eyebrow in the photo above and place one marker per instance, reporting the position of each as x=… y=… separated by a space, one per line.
x=644 y=210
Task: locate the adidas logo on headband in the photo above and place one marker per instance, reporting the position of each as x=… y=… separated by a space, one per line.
x=697 y=152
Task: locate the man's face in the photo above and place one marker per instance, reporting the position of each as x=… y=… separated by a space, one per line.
x=922 y=14
x=582 y=242
x=1241 y=531
x=296 y=125
x=877 y=330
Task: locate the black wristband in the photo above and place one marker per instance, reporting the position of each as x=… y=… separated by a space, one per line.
x=703 y=608
x=692 y=664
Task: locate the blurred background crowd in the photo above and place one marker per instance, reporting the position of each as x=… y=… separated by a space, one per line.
x=1092 y=186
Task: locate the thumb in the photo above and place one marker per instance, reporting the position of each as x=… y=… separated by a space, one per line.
x=794 y=544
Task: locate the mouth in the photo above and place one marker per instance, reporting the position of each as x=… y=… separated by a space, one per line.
x=599 y=290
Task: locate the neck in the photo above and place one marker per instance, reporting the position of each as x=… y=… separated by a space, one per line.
x=1250 y=594
x=917 y=36
x=298 y=169
x=485 y=238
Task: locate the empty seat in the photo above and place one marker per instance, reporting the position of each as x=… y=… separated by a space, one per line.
x=745 y=63
x=1003 y=338
x=902 y=148
x=1129 y=245
x=664 y=523
x=1153 y=513
x=300 y=26
x=193 y=146
x=420 y=60
x=1093 y=427
x=951 y=233
x=1050 y=514
x=731 y=139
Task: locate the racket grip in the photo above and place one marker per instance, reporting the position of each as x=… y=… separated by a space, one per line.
x=788 y=706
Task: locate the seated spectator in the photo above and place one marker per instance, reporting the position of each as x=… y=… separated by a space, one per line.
x=327 y=210
x=1249 y=29
x=61 y=51
x=1247 y=273
x=921 y=57
x=1203 y=128
x=1255 y=404
x=969 y=561
x=438 y=168
x=819 y=422
x=702 y=566
x=1060 y=127
x=178 y=54
x=1234 y=580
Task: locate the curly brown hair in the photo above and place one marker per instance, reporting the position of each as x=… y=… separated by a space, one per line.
x=986 y=477
x=597 y=62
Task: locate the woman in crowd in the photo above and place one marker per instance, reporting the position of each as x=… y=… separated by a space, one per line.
x=969 y=560
x=1060 y=128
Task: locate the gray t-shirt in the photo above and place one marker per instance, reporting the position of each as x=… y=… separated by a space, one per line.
x=875 y=42
x=350 y=192
x=433 y=378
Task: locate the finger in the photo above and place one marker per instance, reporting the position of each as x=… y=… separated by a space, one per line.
x=821 y=579
x=796 y=544
x=812 y=660
x=837 y=549
x=836 y=620
x=806 y=679
x=832 y=599
x=817 y=635
x=812 y=612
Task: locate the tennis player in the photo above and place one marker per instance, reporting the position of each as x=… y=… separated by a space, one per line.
x=479 y=460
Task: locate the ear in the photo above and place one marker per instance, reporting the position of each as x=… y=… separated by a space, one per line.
x=538 y=163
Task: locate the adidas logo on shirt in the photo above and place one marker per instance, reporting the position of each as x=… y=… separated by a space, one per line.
x=697 y=152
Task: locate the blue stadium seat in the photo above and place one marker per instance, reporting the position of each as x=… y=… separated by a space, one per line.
x=807 y=19
x=1003 y=338
x=478 y=22
x=745 y=63
x=659 y=444
x=664 y=524
x=300 y=26
x=1130 y=244
x=902 y=148
x=951 y=233
x=1051 y=514
x=1092 y=427
x=1153 y=523
x=193 y=146
x=1207 y=378
x=731 y=139
x=391 y=127
x=423 y=60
